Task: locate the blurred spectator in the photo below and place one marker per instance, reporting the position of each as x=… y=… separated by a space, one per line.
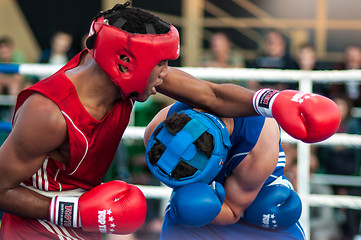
x=10 y=83
x=342 y=160
x=306 y=59
x=275 y=55
x=352 y=60
x=322 y=219
x=222 y=53
x=60 y=51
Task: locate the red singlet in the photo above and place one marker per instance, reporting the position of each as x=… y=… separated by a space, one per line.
x=93 y=145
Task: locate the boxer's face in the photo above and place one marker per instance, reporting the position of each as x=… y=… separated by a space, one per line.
x=275 y=44
x=159 y=72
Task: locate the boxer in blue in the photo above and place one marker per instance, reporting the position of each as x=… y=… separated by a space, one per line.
x=227 y=176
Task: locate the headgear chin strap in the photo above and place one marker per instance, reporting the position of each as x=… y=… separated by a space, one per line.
x=108 y=44
x=180 y=147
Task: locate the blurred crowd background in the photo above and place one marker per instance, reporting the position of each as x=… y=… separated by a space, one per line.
x=278 y=34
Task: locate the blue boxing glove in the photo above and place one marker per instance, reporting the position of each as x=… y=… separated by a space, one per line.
x=275 y=207
x=196 y=204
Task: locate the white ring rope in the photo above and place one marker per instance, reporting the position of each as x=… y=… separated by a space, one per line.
x=231 y=74
x=343 y=139
x=221 y=74
x=336 y=180
x=338 y=139
x=317 y=200
x=38 y=69
x=156 y=192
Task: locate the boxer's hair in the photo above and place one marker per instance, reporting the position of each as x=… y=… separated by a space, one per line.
x=174 y=124
x=136 y=19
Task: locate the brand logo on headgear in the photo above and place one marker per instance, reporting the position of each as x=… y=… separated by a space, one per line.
x=216 y=119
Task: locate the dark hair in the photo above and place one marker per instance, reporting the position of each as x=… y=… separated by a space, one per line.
x=174 y=124
x=59 y=32
x=306 y=45
x=6 y=40
x=135 y=20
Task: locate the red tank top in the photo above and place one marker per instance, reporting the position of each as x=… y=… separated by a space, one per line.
x=93 y=143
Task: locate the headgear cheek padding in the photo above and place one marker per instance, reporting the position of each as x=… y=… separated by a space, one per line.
x=144 y=51
x=180 y=147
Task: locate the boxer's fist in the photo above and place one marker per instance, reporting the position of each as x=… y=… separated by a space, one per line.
x=113 y=207
x=196 y=204
x=306 y=116
x=275 y=207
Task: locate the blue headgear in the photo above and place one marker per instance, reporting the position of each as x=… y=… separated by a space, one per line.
x=180 y=147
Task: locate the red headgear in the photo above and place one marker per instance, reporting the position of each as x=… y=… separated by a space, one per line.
x=144 y=51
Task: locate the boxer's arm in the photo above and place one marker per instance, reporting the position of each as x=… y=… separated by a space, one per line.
x=39 y=128
x=243 y=185
x=228 y=100
x=308 y=117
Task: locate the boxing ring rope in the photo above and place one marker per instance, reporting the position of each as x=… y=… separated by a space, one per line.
x=305 y=79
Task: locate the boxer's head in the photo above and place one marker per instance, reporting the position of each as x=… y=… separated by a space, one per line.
x=188 y=147
x=132 y=39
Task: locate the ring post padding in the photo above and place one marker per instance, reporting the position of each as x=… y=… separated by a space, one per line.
x=9 y=68
x=5 y=126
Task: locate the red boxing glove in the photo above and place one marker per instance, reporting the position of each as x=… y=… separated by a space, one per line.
x=306 y=116
x=113 y=207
